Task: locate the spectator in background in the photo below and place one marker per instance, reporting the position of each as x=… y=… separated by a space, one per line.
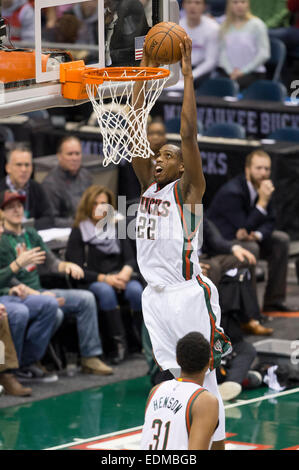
x=16 y=240
x=274 y=13
x=243 y=210
x=19 y=171
x=125 y=20
x=87 y=13
x=148 y=10
x=216 y=9
x=108 y=263
x=65 y=183
x=8 y=382
x=218 y=257
x=244 y=44
x=19 y=15
x=156 y=134
x=31 y=318
x=204 y=33
x=65 y=29
x=289 y=35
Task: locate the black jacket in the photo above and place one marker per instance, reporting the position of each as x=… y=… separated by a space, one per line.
x=94 y=261
x=230 y=210
x=213 y=242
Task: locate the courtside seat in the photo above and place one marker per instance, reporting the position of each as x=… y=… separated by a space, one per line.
x=277 y=59
x=265 y=90
x=287 y=134
x=226 y=130
x=219 y=86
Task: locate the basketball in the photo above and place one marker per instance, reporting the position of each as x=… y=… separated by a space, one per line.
x=162 y=42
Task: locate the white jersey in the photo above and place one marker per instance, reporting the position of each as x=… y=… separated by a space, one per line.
x=168 y=415
x=167 y=237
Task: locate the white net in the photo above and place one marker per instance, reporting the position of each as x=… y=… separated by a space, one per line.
x=124 y=126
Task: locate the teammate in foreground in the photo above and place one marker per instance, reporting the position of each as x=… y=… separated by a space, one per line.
x=180 y=414
x=178 y=298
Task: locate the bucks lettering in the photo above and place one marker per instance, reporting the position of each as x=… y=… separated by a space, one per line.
x=150 y=205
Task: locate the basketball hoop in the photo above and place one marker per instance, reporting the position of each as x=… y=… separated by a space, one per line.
x=123 y=128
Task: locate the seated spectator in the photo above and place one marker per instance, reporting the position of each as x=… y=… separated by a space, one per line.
x=19 y=15
x=243 y=210
x=156 y=134
x=87 y=13
x=216 y=9
x=16 y=240
x=108 y=263
x=31 y=319
x=289 y=34
x=219 y=256
x=65 y=183
x=274 y=13
x=125 y=20
x=236 y=370
x=8 y=382
x=65 y=29
x=148 y=10
x=19 y=171
x=204 y=32
x=244 y=44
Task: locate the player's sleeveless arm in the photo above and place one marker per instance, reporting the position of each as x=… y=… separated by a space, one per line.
x=193 y=177
x=205 y=411
x=141 y=166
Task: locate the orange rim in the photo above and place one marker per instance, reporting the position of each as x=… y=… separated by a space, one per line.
x=95 y=76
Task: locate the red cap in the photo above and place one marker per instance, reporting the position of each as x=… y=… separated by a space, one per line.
x=8 y=196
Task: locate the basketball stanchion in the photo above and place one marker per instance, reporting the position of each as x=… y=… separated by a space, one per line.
x=120 y=124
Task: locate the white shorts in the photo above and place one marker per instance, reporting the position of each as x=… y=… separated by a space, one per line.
x=172 y=312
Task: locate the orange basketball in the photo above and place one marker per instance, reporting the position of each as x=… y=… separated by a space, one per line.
x=162 y=42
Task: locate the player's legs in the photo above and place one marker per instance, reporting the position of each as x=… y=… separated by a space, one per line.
x=171 y=314
x=155 y=317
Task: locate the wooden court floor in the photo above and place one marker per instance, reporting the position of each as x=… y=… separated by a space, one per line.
x=110 y=417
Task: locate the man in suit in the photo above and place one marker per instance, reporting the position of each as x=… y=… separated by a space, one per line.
x=19 y=168
x=219 y=255
x=243 y=210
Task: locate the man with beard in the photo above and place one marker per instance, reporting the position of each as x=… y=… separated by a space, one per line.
x=243 y=209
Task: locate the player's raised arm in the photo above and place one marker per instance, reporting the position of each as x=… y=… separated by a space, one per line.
x=193 y=180
x=142 y=166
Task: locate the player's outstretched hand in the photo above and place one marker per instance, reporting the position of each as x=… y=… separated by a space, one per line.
x=147 y=61
x=186 y=49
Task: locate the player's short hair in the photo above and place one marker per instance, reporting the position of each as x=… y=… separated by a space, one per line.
x=193 y=352
x=258 y=153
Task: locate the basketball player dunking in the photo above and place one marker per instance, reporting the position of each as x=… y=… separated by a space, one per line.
x=178 y=298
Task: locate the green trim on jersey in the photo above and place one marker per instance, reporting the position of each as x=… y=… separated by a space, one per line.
x=190 y=224
x=189 y=406
x=220 y=343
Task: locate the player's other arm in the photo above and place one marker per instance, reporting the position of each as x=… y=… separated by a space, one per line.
x=193 y=180
x=205 y=415
x=142 y=166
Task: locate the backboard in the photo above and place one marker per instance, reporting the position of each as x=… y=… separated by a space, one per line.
x=43 y=33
